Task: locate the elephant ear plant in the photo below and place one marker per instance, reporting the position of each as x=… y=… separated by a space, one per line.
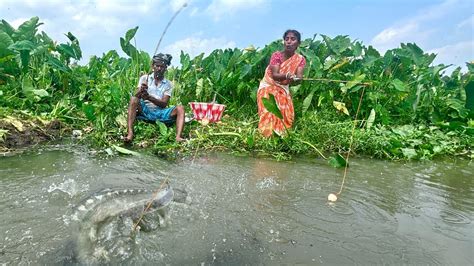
x=412 y=109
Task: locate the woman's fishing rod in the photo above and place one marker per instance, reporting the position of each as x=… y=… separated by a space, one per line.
x=333 y=80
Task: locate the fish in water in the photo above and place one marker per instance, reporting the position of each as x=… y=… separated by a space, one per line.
x=124 y=202
x=106 y=219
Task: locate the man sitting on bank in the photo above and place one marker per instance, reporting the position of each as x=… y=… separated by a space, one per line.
x=151 y=99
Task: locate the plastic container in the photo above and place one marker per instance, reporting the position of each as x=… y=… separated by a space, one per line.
x=210 y=111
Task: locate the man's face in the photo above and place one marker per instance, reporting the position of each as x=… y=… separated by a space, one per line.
x=159 y=67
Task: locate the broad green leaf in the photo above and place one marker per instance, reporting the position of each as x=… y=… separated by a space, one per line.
x=56 y=64
x=458 y=105
x=27 y=30
x=89 y=111
x=125 y=151
x=398 y=85
x=162 y=127
x=66 y=50
x=404 y=131
x=337 y=45
x=271 y=105
x=5 y=43
x=437 y=149
x=199 y=87
x=307 y=101
x=22 y=45
x=71 y=37
x=341 y=107
x=40 y=92
x=46 y=39
x=27 y=87
x=371 y=119
x=337 y=161
x=7 y=28
x=409 y=153
x=245 y=70
x=130 y=34
x=357 y=80
x=121 y=120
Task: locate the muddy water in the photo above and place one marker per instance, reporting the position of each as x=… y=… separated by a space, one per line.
x=235 y=211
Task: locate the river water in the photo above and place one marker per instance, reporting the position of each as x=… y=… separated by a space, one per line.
x=233 y=210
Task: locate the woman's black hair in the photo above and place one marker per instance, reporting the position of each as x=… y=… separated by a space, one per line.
x=295 y=32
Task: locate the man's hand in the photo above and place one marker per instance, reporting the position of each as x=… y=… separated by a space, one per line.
x=142 y=92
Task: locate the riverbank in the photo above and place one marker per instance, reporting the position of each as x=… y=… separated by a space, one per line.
x=21 y=132
x=312 y=135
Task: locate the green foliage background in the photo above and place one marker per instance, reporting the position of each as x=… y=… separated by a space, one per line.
x=410 y=110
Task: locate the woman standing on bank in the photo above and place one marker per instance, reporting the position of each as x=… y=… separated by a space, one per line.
x=284 y=68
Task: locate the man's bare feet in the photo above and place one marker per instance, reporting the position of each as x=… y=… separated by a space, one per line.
x=128 y=138
x=180 y=139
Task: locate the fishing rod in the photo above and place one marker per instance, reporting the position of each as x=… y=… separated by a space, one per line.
x=168 y=25
x=333 y=80
x=164 y=32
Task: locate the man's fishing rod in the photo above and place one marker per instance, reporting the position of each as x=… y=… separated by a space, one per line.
x=167 y=26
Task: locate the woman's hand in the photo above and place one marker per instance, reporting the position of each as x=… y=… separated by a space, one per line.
x=290 y=77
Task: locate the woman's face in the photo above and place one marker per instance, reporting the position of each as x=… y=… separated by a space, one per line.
x=291 y=42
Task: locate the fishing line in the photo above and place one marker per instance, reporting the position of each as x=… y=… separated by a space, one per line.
x=166 y=181
x=332 y=196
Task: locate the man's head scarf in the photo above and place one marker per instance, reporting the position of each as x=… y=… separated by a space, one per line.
x=164 y=58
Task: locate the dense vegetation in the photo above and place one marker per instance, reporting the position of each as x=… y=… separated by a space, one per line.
x=410 y=109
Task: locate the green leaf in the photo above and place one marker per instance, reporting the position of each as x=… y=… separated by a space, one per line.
x=398 y=85
x=307 y=101
x=66 y=51
x=56 y=64
x=89 y=111
x=245 y=70
x=41 y=93
x=409 y=153
x=5 y=43
x=7 y=28
x=341 y=107
x=250 y=141
x=371 y=119
x=271 y=105
x=458 y=105
x=27 y=87
x=358 y=79
x=125 y=151
x=27 y=30
x=130 y=34
x=199 y=87
x=162 y=127
x=337 y=161
x=22 y=45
